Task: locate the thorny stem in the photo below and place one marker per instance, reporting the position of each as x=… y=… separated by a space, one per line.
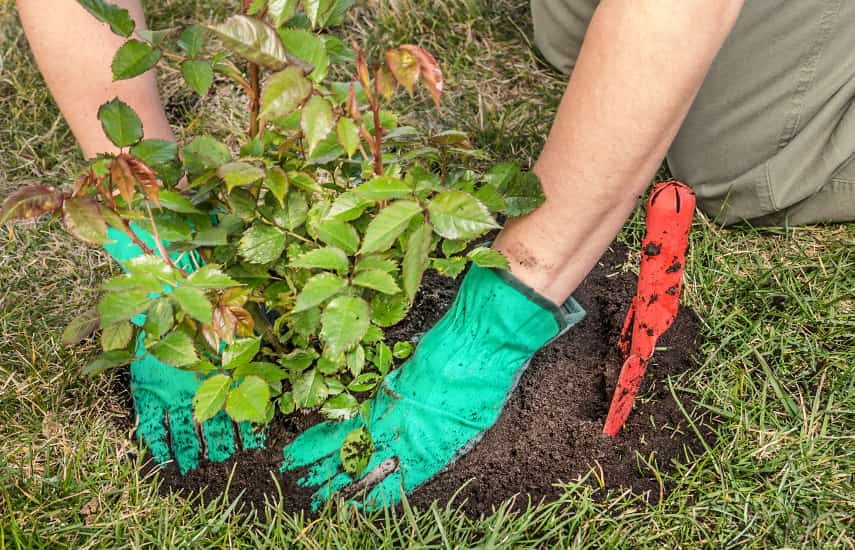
x=254 y=103
x=159 y=242
x=378 y=139
x=133 y=236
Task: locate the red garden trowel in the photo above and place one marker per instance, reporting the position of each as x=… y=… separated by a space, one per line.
x=660 y=279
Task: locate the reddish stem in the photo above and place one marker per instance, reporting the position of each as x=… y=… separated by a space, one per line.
x=159 y=242
x=378 y=139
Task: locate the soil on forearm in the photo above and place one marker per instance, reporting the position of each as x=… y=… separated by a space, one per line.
x=551 y=429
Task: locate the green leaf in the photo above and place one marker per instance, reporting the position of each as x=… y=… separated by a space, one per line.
x=348 y=135
x=376 y=261
x=281 y=10
x=133 y=59
x=277 y=183
x=155 y=151
x=378 y=280
x=268 y=372
x=347 y=206
x=341 y=407
x=122 y=306
x=262 y=244
x=239 y=173
x=253 y=40
x=389 y=310
x=295 y=212
x=120 y=123
x=117 y=336
x=340 y=234
x=318 y=10
x=403 y=350
x=175 y=201
x=383 y=188
x=452 y=246
x=309 y=389
x=118 y=18
x=304 y=181
x=210 y=397
x=502 y=174
x=286 y=403
x=364 y=382
x=194 y=302
x=153 y=266
x=240 y=352
x=192 y=40
x=356 y=360
x=523 y=195
x=490 y=197
x=210 y=276
x=328 y=257
x=213 y=236
x=382 y=357
x=309 y=47
x=83 y=219
x=205 y=153
x=317 y=290
x=317 y=120
x=388 y=225
x=487 y=257
x=248 y=402
x=416 y=258
x=198 y=74
x=108 y=360
x=159 y=318
x=458 y=215
x=298 y=360
x=81 y=327
x=356 y=451
x=176 y=350
x=284 y=92
x=343 y=323
x=449 y=267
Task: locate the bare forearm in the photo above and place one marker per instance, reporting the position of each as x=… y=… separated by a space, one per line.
x=639 y=69
x=74 y=51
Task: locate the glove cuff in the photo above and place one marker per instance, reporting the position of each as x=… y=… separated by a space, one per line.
x=566 y=315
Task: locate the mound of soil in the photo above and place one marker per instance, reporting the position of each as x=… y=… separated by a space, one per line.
x=551 y=428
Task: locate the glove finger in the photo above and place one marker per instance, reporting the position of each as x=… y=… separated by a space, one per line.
x=219 y=434
x=385 y=494
x=322 y=470
x=334 y=485
x=251 y=439
x=185 y=441
x=151 y=425
x=316 y=443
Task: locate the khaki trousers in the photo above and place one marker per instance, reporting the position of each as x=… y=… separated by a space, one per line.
x=770 y=139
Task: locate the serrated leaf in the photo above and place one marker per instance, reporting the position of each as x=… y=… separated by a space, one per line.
x=378 y=280
x=239 y=173
x=356 y=360
x=356 y=451
x=317 y=120
x=117 y=336
x=248 y=402
x=133 y=59
x=175 y=201
x=176 y=350
x=262 y=244
x=295 y=212
x=119 y=19
x=83 y=219
x=159 y=318
x=309 y=47
x=192 y=40
x=385 y=82
x=490 y=197
x=328 y=257
x=194 y=302
x=210 y=276
x=304 y=181
x=402 y=350
x=383 y=188
x=364 y=382
x=430 y=71
x=449 y=267
x=343 y=323
x=347 y=206
x=284 y=92
x=416 y=258
x=120 y=123
x=405 y=68
x=205 y=153
x=198 y=74
x=30 y=202
x=268 y=372
x=286 y=403
x=389 y=310
x=458 y=215
x=281 y=10
x=318 y=10
x=210 y=397
x=240 y=352
x=277 y=183
x=309 y=389
x=317 y=290
x=452 y=246
x=382 y=357
x=255 y=41
x=155 y=151
x=348 y=135
x=340 y=407
x=487 y=257
x=81 y=327
x=501 y=175
x=523 y=194
x=108 y=360
x=388 y=225
x=340 y=234
x=376 y=261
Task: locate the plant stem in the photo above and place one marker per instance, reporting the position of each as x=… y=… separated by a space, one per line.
x=254 y=103
x=133 y=236
x=378 y=139
x=159 y=242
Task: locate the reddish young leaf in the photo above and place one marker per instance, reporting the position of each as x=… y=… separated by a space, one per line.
x=123 y=178
x=362 y=70
x=211 y=337
x=31 y=202
x=245 y=322
x=352 y=104
x=430 y=70
x=405 y=67
x=83 y=219
x=146 y=178
x=384 y=81
x=83 y=182
x=224 y=323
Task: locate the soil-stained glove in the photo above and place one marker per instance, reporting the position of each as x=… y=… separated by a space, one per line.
x=438 y=405
x=163 y=395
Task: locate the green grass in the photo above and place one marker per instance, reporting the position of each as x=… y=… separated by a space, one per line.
x=777 y=306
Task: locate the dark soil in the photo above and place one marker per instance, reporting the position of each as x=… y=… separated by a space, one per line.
x=551 y=429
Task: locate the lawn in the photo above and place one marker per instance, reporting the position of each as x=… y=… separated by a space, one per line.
x=777 y=309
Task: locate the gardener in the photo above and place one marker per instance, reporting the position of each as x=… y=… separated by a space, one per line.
x=752 y=105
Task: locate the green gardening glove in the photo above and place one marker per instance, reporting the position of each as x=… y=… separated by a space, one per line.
x=163 y=395
x=438 y=405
